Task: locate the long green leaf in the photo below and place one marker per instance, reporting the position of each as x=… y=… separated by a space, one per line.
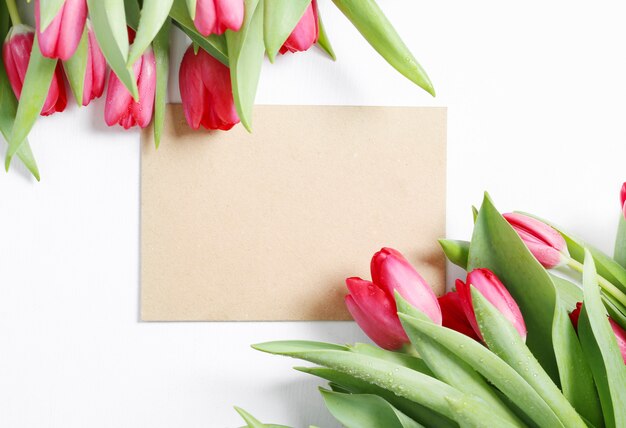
x=281 y=17
x=161 y=46
x=245 y=52
x=616 y=310
x=252 y=422
x=153 y=16
x=496 y=246
x=492 y=367
x=504 y=340
x=133 y=13
x=34 y=92
x=456 y=251
x=405 y=360
x=468 y=415
x=108 y=19
x=48 y=9
x=365 y=411
x=569 y=293
x=322 y=40
x=213 y=44
x=191 y=8
x=354 y=385
x=620 y=242
x=372 y=23
x=601 y=349
x=76 y=67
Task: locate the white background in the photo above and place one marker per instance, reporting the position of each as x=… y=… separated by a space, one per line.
x=536 y=97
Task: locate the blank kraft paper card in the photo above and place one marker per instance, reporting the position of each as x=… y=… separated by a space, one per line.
x=267 y=225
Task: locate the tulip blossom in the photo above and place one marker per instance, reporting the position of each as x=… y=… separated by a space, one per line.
x=120 y=106
x=205 y=91
x=392 y=272
x=60 y=39
x=95 y=75
x=543 y=241
x=306 y=32
x=217 y=16
x=620 y=334
x=488 y=284
x=454 y=315
x=16 y=54
x=375 y=312
x=623 y=199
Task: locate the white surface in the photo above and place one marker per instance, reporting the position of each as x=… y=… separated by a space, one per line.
x=536 y=115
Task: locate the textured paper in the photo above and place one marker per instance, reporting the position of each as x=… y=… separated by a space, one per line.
x=266 y=226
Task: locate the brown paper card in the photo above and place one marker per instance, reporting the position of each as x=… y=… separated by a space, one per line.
x=266 y=226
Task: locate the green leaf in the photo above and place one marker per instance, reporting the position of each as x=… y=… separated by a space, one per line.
x=34 y=92
x=456 y=251
x=108 y=19
x=161 y=46
x=213 y=44
x=191 y=8
x=404 y=382
x=405 y=360
x=322 y=40
x=601 y=349
x=496 y=246
x=620 y=242
x=504 y=340
x=569 y=293
x=488 y=364
x=372 y=23
x=468 y=415
x=48 y=9
x=133 y=12
x=281 y=17
x=252 y=422
x=616 y=310
x=153 y=16
x=245 y=52
x=353 y=385
x=365 y=411
x=76 y=67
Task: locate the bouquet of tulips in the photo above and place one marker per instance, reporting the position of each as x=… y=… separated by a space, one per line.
x=78 y=40
x=535 y=335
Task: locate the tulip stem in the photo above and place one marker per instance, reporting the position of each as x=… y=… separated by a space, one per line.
x=606 y=285
x=13 y=13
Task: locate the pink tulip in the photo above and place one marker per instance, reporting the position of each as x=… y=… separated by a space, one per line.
x=623 y=199
x=16 y=54
x=392 y=272
x=217 y=16
x=543 y=241
x=454 y=315
x=488 y=284
x=620 y=334
x=306 y=32
x=95 y=75
x=60 y=39
x=120 y=106
x=375 y=312
x=205 y=91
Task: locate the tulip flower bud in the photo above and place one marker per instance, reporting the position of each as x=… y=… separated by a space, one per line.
x=306 y=32
x=217 y=16
x=205 y=91
x=120 y=106
x=95 y=75
x=375 y=312
x=392 y=272
x=60 y=39
x=620 y=334
x=543 y=241
x=16 y=54
x=454 y=315
x=623 y=199
x=488 y=284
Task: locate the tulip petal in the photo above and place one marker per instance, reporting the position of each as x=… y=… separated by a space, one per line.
x=539 y=230
x=192 y=91
x=205 y=17
x=49 y=38
x=453 y=315
x=118 y=100
x=304 y=35
x=146 y=84
x=73 y=24
x=229 y=15
x=98 y=66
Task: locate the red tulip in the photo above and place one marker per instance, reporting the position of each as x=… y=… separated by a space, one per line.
x=217 y=16
x=620 y=334
x=488 y=284
x=95 y=74
x=205 y=91
x=16 y=54
x=543 y=241
x=306 y=32
x=454 y=315
x=375 y=312
x=60 y=39
x=623 y=199
x=392 y=272
x=120 y=106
